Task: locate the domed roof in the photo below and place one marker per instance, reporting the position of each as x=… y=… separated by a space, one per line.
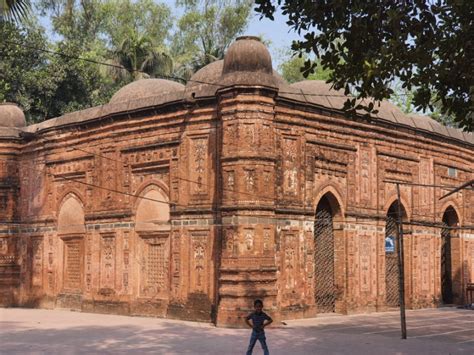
x=11 y=115
x=319 y=93
x=145 y=88
x=205 y=81
x=247 y=53
x=248 y=62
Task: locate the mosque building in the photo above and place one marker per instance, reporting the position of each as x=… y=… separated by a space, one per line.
x=190 y=201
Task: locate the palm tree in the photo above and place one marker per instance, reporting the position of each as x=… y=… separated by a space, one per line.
x=140 y=58
x=13 y=9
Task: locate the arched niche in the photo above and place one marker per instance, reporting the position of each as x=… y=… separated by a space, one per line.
x=450 y=258
x=152 y=225
x=326 y=285
x=392 y=272
x=71 y=216
x=152 y=214
x=71 y=230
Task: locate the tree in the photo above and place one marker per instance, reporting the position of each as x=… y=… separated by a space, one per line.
x=14 y=10
x=142 y=17
x=140 y=57
x=290 y=69
x=137 y=34
x=426 y=45
x=80 y=21
x=22 y=77
x=46 y=85
x=205 y=31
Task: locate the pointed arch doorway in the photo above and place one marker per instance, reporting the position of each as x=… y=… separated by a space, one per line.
x=392 y=273
x=324 y=254
x=448 y=245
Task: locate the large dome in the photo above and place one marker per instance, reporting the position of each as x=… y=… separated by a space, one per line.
x=11 y=116
x=247 y=53
x=248 y=62
x=145 y=88
x=205 y=81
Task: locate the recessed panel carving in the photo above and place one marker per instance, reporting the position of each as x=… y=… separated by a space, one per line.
x=155 y=264
x=73 y=256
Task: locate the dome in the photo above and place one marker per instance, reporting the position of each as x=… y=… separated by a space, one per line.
x=249 y=54
x=145 y=88
x=248 y=62
x=11 y=115
x=205 y=81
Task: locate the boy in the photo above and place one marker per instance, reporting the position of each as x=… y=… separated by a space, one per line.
x=259 y=321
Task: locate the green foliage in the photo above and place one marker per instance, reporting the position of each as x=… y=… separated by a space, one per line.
x=131 y=34
x=206 y=30
x=22 y=76
x=139 y=18
x=427 y=45
x=140 y=57
x=43 y=84
x=14 y=10
x=291 y=70
x=79 y=21
x=136 y=32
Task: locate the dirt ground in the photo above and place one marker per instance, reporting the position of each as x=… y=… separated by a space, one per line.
x=432 y=331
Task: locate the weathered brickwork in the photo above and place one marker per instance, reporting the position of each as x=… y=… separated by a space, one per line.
x=190 y=202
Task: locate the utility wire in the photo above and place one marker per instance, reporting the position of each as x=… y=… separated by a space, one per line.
x=436 y=203
x=176 y=177
x=312 y=220
x=121 y=192
x=423 y=185
x=168 y=77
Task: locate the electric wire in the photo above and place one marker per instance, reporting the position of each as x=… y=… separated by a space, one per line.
x=167 y=77
x=252 y=194
x=184 y=179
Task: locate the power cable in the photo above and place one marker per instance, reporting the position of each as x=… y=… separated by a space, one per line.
x=168 y=77
x=214 y=211
x=253 y=195
x=176 y=177
x=120 y=192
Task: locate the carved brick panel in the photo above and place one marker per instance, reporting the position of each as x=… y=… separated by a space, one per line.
x=73 y=263
x=154 y=264
x=37 y=261
x=107 y=261
x=199 y=262
x=199 y=166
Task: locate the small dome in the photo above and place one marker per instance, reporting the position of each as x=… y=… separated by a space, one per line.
x=145 y=88
x=247 y=54
x=11 y=115
x=205 y=81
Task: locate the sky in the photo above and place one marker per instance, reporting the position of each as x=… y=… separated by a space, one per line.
x=276 y=32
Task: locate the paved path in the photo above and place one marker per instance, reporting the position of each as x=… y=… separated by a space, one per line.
x=434 y=331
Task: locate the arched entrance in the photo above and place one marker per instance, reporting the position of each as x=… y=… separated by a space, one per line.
x=325 y=285
x=153 y=229
x=71 y=230
x=392 y=273
x=450 y=219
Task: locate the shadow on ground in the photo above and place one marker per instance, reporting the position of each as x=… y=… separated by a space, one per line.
x=40 y=335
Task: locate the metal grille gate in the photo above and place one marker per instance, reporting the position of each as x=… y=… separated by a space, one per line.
x=392 y=273
x=325 y=290
x=446 y=272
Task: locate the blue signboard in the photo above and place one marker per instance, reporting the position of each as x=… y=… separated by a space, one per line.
x=390 y=244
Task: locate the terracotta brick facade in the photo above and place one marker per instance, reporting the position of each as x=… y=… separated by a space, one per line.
x=190 y=206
